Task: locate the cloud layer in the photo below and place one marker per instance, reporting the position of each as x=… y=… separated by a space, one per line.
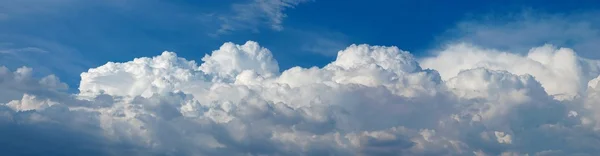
x=372 y=100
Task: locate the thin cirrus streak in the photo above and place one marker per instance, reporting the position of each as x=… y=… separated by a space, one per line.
x=372 y=100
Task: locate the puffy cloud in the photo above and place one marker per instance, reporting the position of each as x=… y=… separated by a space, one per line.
x=560 y=71
x=230 y=60
x=372 y=100
x=15 y=83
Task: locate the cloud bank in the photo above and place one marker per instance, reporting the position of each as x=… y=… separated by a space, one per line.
x=372 y=100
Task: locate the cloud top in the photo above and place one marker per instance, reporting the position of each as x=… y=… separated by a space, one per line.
x=372 y=100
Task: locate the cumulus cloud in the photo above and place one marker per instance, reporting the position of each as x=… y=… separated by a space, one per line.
x=560 y=70
x=372 y=100
x=16 y=83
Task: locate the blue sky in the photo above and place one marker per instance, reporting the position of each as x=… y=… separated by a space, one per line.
x=67 y=37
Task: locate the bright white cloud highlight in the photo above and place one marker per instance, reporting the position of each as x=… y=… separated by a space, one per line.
x=372 y=100
x=560 y=70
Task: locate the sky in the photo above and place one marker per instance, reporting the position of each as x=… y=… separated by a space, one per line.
x=299 y=77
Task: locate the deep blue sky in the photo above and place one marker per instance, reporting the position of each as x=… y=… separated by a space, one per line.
x=67 y=37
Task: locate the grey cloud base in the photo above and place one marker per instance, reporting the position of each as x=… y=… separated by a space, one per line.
x=372 y=100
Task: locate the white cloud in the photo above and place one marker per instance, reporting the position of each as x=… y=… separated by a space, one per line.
x=15 y=84
x=559 y=70
x=256 y=13
x=230 y=60
x=372 y=100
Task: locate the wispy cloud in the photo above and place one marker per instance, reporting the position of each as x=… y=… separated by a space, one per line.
x=15 y=51
x=63 y=36
x=256 y=14
x=519 y=32
x=46 y=56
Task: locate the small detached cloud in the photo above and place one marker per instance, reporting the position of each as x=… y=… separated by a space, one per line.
x=372 y=100
x=256 y=14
